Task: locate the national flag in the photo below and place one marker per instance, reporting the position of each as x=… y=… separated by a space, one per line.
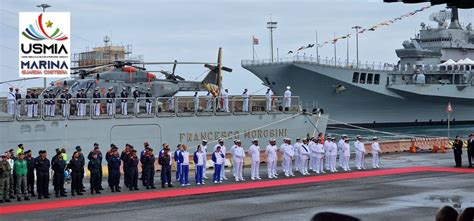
x=255 y=40
x=449 y=109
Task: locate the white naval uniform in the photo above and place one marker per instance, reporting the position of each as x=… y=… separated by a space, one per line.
x=245 y=102
x=287 y=97
x=311 y=156
x=209 y=102
x=360 y=155
x=271 y=153
x=297 y=158
x=238 y=158
x=223 y=151
x=319 y=158
x=225 y=97
x=288 y=155
x=196 y=103
x=204 y=150
x=268 y=99
x=254 y=152
x=171 y=104
x=375 y=155
x=333 y=158
x=327 y=154
x=340 y=145
x=232 y=148
x=283 y=159
x=346 y=155
x=11 y=103
x=304 y=158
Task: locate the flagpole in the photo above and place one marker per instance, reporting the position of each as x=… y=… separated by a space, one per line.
x=335 y=54
x=347 y=51
x=253 y=48
x=449 y=125
x=317 y=48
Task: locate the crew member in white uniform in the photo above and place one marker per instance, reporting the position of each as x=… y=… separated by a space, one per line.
x=268 y=99
x=171 y=104
x=360 y=153
x=287 y=98
x=327 y=153
x=254 y=153
x=304 y=153
x=340 y=145
x=289 y=154
x=346 y=154
x=271 y=153
x=282 y=150
x=375 y=153
x=238 y=158
x=245 y=101
x=123 y=103
x=332 y=165
x=204 y=150
x=231 y=151
x=11 y=102
x=225 y=97
x=196 y=102
x=319 y=157
x=297 y=158
x=223 y=151
x=208 y=102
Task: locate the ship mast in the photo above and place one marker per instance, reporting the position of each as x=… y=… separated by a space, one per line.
x=271 y=25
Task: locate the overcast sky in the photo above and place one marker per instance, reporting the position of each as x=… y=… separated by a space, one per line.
x=193 y=30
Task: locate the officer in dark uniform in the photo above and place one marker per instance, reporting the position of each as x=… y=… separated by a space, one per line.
x=52 y=103
x=94 y=168
x=148 y=101
x=133 y=170
x=124 y=156
x=148 y=171
x=34 y=96
x=165 y=161
x=124 y=107
x=83 y=161
x=113 y=163
x=470 y=149
x=76 y=166
x=30 y=176
x=58 y=165
x=42 y=165
x=46 y=103
x=97 y=151
x=457 y=149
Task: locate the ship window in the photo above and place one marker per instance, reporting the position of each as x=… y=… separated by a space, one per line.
x=369 y=78
x=355 y=77
x=377 y=79
x=362 y=78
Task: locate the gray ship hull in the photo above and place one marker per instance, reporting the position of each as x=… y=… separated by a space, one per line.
x=373 y=105
x=190 y=130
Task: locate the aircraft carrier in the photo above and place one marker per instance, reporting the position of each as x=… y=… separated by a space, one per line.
x=435 y=68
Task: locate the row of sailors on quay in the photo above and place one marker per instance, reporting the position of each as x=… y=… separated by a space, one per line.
x=17 y=174
x=49 y=101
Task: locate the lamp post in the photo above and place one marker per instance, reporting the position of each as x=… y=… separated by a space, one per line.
x=44 y=6
x=357 y=43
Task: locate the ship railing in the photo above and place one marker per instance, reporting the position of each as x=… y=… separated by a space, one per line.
x=165 y=106
x=105 y=108
x=339 y=63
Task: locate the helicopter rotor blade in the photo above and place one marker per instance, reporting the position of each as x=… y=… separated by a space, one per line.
x=174 y=66
x=20 y=79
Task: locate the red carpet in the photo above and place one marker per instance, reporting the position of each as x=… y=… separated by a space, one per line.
x=66 y=203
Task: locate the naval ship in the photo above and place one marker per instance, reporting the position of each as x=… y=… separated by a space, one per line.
x=434 y=68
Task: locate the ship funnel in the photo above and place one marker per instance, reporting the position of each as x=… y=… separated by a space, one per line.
x=454 y=19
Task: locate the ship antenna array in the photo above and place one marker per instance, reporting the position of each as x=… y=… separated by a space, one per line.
x=271 y=25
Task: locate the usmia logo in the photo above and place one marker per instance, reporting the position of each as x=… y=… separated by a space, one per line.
x=44 y=44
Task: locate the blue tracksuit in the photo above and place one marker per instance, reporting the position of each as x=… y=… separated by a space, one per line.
x=178 y=164
x=184 y=169
x=198 y=177
x=217 y=167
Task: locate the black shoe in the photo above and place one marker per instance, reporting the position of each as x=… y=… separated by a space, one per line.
x=12 y=197
x=18 y=199
x=80 y=193
x=136 y=188
x=73 y=194
x=27 y=198
x=170 y=185
x=63 y=195
x=153 y=187
x=46 y=197
x=131 y=189
x=470 y=166
x=118 y=188
x=40 y=197
x=147 y=187
x=33 y=195
x=7 y=200
x=112 y=189
x=92 y=191
x=1 y=201
x=101 y=188
x=83 y=190
x=57 y=195
x=163 y=186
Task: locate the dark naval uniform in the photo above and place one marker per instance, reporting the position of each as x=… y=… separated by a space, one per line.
x=470 y=150
x=124 y=156
x=457 y=149
x=76 y=166
x=30 y=176
x=99 y=157
x=94 y=168
x=113 y=163
x=42 y=176
x=58 y=165
x=133 y=172
x=148 y=162
x=165 y=161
